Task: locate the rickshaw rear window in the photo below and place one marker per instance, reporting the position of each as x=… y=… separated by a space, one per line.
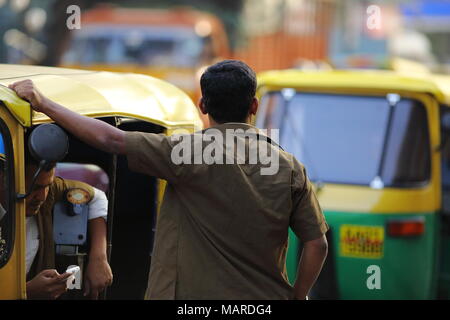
x=345 y=138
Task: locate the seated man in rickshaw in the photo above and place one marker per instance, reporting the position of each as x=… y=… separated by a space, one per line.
x=43 y=281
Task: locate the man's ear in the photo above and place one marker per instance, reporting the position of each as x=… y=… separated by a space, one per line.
x=201 y=105
x=254 y=106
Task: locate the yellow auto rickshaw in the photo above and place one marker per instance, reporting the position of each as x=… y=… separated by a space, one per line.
x=376 y=146
x=129 y=101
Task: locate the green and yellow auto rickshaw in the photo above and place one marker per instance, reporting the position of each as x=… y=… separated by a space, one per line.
x=129 y=101
x=376 y=146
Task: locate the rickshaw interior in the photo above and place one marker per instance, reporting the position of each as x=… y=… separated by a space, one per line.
x=131 y=213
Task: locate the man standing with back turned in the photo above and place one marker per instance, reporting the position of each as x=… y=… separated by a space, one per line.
x=223 y=228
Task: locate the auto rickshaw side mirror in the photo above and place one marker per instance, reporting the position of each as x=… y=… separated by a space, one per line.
x=48 y=144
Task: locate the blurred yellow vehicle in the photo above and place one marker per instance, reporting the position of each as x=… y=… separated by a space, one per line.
x=131 y=102
x=376 y=144
x=174 y=45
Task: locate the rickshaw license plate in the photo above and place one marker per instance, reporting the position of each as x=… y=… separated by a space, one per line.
x=361 y=241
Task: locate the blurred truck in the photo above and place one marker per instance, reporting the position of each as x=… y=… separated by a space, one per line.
x=174 y=45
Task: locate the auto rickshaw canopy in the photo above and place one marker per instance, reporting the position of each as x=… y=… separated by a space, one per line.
x=100 y=94
x=358 y=80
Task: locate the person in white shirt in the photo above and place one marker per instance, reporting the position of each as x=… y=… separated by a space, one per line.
x=97 y=209
x=44 y=281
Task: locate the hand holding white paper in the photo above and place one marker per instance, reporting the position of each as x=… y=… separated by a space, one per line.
x=74 y=281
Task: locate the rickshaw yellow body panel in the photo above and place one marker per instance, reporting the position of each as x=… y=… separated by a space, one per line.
x=12 y=275
x=19 y=108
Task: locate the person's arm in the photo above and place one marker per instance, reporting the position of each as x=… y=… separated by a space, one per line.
x=48 y=284
x=308 y=223
x=147 y=153
x=98 y=273
x=310 y=265
x=94 y=132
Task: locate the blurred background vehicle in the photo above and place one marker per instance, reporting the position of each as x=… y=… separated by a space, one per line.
x=374 y=147
x=174 y=45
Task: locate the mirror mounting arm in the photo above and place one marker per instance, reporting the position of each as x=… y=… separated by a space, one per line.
x=42 y=165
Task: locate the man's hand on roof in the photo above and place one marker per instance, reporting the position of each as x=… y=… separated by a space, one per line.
x=26 y=90
x=94 y=132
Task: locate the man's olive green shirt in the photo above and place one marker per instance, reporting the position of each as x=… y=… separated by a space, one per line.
x=222 y=232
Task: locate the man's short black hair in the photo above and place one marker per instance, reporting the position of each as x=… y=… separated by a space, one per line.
x=228 y=88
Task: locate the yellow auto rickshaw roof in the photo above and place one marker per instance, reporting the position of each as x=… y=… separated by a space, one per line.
x=357 y=80
x=99 y=94
x=443 y=83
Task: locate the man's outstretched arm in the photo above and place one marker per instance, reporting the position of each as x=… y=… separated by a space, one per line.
x=310 y=265
x=91 y=131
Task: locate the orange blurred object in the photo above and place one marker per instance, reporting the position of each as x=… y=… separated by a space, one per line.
x=300 y=35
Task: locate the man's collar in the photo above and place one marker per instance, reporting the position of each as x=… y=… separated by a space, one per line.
x=223 y=127
x=234 y=125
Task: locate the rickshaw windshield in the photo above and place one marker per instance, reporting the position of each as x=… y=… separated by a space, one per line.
x=353 y=139
x=150 y=46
